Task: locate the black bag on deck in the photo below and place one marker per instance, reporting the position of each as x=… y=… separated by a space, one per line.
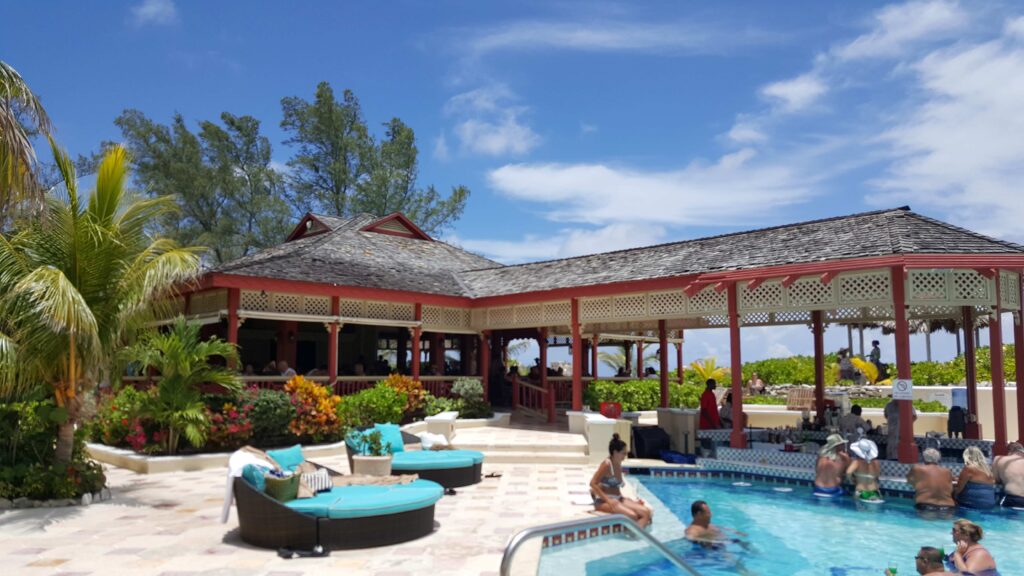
x=649 y=441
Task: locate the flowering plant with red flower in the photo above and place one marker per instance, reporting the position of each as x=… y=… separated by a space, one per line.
x=230 y=427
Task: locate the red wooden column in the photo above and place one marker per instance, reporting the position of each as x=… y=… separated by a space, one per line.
x=995 y=338
x=663 y=362
x=332 y=342
x=577 y=359
x=437 y=348
x=593 y=357
x=819 y=364
x=417 y=332
x=907 y=447
x=639 y=359
x=549 y=398
x=737 y=439
x=1018 y=355
x=971 y=374
x=679 y=359
x=234 y=296
x=485 y=361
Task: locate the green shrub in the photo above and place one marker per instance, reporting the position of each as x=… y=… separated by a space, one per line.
x=475 y=409
x=117 y=417
x=378 y=405
x=432 y=405
x=469 y=389
x=272 y=411
x=921 y=405
x=765 y=400
x=636 y=395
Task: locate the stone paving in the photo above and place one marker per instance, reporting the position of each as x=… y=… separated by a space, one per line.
x=169 y=525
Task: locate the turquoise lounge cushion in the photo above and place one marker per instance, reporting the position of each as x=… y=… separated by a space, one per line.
x=430 y=460
x=390 y=433
x=254 y=475
x=288 y=458
x=365 y=501
x=478 y=457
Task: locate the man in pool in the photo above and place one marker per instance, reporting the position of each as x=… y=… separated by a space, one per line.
x=928 y=563
x=702 y=532
x=1009 y=471
x=830 y=468
x=933 y=484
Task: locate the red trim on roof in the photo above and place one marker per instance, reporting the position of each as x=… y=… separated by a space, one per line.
x=300 y=230
x=414 y=230
x=222 y=280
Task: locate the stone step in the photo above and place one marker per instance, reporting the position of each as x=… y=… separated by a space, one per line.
x=529 y=457
x=539 y=448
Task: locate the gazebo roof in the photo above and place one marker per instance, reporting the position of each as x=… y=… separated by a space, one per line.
x=391 y=253
x=896 y=231
x=353 y=252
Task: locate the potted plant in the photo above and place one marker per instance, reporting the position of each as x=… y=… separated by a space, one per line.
x=372 y=456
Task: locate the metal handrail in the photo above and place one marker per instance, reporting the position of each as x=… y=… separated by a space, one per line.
x=522 y=536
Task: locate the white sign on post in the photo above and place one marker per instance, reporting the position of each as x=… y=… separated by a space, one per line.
x=903 y=389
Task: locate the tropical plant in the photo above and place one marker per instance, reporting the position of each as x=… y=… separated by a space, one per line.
x=80 y=282
x=368 y=443
x=413 y=390
x=644 y=394
x=272 y=412
x=617 y=360
x=21 y=114
x=184 y=362
x=316 y=408
x=381 y=404
x=707 y=369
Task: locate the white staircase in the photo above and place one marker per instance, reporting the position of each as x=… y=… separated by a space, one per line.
x=532 y=448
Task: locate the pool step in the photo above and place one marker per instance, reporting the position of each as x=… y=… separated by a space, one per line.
x=531 y=457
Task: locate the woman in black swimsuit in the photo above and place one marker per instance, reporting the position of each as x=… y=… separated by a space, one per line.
x=605 y=487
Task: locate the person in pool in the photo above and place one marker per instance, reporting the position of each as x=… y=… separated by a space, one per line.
x=1009 y=471
x=928 y=563
x=832 y=464
x=606 y=487
x=702 y=532
x=933 y=484
x=864 y=471
x=970 y=557
x=976 y=486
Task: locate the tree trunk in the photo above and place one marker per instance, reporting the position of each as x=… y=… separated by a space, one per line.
x=65 y=441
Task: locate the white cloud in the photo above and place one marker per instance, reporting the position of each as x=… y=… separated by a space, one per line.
x=797 y=93
x=441 y=151
x=489 y=123
x=698 y=194
x=618 y=36
x=960 y=149
x=901 y=25
x=587 y=128
x=568 y=242
x=156 y=12
x=743 y=132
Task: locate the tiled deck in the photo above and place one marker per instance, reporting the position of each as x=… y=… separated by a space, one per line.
x=168 y=524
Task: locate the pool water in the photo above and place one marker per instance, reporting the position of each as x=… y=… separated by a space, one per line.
x=791 y=532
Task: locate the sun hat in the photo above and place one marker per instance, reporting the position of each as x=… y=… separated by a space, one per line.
x=864 y=449
x=831 y=443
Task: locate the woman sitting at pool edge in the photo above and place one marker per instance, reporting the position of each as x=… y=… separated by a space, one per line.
x=606 y=487
x=865 y=470
x=976 y=486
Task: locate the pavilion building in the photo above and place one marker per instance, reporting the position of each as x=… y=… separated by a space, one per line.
x=339 y=292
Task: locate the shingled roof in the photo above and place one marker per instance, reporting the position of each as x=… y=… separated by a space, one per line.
x=349 y=255
x=879 y=233
x=346 y=255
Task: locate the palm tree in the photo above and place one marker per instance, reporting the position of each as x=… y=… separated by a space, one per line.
x=184 y=362
x=707 y=369
x=79 y=283
x=617 y=360
x=21 y=114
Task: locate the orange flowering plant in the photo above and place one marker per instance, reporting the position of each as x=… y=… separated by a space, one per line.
x=315 y=410
x=415 y=395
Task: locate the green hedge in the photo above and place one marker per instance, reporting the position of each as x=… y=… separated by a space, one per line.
x=645 y=394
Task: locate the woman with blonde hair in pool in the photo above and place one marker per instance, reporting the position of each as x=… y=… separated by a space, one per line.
x=969 y=556
x=606 y=487
x=864 y=471
x=976 y=486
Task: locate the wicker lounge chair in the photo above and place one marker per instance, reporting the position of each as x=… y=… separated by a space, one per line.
x=375 y=516
x=449 y=468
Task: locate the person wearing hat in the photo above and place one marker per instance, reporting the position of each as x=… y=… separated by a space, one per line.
x=865 y=470
x=832 y=463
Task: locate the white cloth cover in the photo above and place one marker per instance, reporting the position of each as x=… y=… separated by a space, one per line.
x=430 y=440
x=236 y=463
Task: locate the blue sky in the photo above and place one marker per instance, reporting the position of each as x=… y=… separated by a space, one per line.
x=590 y=126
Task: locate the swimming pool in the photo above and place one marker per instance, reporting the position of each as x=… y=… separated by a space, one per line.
x=790 y=532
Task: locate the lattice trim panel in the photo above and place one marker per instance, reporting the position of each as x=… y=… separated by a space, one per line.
x=284 y=303
x=1009 y=290
x=865 y=288
x=949 y=288
x=374 y=310
x=440 y=317
x=768 y=296
x=209 y=301
x=525 y=316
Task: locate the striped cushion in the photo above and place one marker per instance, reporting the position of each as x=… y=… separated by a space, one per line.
x=318 y=481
